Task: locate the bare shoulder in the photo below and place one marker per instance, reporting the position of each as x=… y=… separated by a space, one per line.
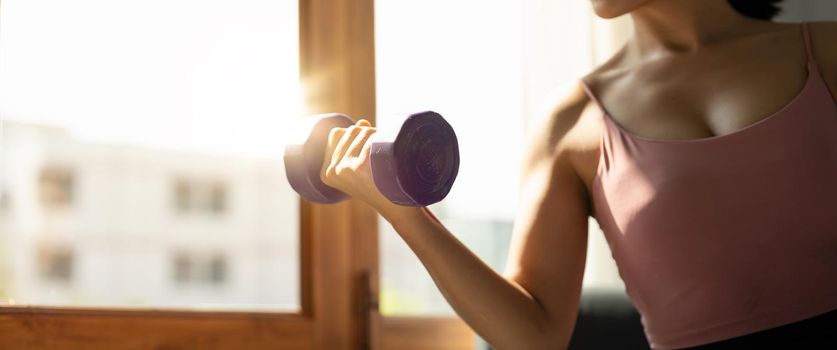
x=565 y=138
x=823 y=37
x=556 y=123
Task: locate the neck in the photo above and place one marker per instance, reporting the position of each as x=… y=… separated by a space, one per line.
x=663 y=26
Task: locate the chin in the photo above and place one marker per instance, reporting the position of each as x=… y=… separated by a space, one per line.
x=614 y=8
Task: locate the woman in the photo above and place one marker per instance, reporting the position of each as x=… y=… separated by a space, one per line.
x=706 y=148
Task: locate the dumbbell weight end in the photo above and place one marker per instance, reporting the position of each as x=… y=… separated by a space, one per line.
x=419 y=167
x=304 y=157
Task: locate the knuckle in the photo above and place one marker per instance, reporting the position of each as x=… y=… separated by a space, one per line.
x=344 y=169
x=330 y=172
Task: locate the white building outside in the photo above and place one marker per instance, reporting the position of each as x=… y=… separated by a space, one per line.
x=94 y=224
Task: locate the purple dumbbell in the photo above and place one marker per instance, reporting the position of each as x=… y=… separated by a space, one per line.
x=415 y=168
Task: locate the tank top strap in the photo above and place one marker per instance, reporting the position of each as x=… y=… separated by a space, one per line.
x=806 y=37
x=592 y=96
x=605 y=144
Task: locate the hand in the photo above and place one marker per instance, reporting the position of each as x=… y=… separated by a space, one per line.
x=347 y=163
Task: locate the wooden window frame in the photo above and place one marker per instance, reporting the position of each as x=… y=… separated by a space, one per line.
x=335 y=240
x=338 y=245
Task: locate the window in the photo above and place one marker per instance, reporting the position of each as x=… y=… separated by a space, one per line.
x=183 y=195
x=200 y=196
x=149 y=126
x=218 y=198
x=55 y=264
x=488 y=68
x=56 y=188
x=196 y=269
x=218 y=269
x=496 y=71
x=186 y=96
x=5 y=200
x=182 y=269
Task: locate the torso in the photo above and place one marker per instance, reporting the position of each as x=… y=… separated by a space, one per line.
x=713 y=92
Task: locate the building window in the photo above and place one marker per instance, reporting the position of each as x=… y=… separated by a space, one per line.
x=5 y=200
x=199 y=269
x=218 y=269
x=56 y=188
x=55 y=264
x=217 y=198
x=196 y=196
x=182 y=195
x=182 y=269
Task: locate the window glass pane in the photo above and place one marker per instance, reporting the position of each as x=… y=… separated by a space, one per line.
x=471 y=74
x=487 y=67
x=139 y=153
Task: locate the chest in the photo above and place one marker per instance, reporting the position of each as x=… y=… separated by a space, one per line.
x=704 y=95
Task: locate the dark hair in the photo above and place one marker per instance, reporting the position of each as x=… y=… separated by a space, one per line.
x=759 y=9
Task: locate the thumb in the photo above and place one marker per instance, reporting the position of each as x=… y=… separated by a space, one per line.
x=363 y=122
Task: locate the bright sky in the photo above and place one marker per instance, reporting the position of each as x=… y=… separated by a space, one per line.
x=209 y=76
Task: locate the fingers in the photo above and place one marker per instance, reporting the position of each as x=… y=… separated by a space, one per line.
x=342 y=145
x=346 y=142
x=334 y=136
x=366 y=148
x=355 y=149
x=358 y=145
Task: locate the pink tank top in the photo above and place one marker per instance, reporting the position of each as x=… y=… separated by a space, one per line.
x=727 y=235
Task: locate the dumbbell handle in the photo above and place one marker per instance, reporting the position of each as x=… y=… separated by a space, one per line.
x=416 y=168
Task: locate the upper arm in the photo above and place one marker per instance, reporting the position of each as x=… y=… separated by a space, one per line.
x=823 y=37
x=549 y=239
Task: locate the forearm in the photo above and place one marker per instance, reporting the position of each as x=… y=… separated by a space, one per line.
x=498 y=309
